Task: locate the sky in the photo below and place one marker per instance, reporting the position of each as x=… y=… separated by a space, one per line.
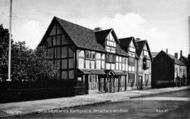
x=163 y=23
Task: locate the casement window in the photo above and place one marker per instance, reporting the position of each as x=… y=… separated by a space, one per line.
x=131 y=61
x=90 y=55
x=108 y=66
x=90 y=59
x=112 y=66
x=98 y=61
x=81 y=63
x=92 y=64
x=110 y=44
x=57 y=64
x=57 y=54
x=87 y=64
x=64 y=52
x=124 y=62
x=80 y=59
x=102 y=61
x=110 y=58
x=117 y=63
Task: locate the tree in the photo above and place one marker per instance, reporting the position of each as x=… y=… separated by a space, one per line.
x=4 y=42
x=26 y=64
x=31 y=65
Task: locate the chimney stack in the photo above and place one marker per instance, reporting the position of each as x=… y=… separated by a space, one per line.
x=138 y=39
x=167 y=50
x=176 y=55
x=181 y=53
x=98 y=29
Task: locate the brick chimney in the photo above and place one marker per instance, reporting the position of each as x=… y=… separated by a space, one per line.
x=176 y=55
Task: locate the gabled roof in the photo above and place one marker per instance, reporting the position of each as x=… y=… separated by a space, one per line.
x=83 y=37
x=176 y=61
x=140 y=46
x=101 y=35
x=124 y=42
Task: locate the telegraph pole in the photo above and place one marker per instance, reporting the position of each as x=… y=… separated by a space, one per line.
x=10 y=39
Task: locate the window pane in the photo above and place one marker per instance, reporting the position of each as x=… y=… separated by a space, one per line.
x=92 y=65
x=87 y=64
x=98 y=64
x=71 y=74
x=64 y=75
x=71 y=63
x=126 y=67
x=81 y=63
x=57 y=64
x=123 y=67
x=117 y=66
x=113 y=66
x=97 y=55
x=107 y=65
x=103 y=64
x=103 y=56
x=131 y=61
x=120 y=66
x=64 y=52
x=58 y=52
x=64 y=64
x=81 y=53
x=71 y=54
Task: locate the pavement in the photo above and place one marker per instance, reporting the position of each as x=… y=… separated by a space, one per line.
x=37 y=106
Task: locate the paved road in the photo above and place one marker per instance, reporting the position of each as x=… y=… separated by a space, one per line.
x=165 y=106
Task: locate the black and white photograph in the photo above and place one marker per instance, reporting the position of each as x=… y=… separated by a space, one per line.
x=95 y=59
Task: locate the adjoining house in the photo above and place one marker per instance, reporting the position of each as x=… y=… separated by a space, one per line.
x=97 y=59
x=168 y=70
x=144 y=64
x=186 y=61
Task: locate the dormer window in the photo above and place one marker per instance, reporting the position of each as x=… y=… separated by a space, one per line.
x=110 y=44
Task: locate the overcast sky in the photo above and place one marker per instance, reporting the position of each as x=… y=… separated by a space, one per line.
x=164 y=23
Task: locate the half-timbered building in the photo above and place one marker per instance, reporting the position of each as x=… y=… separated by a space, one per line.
x=144 y=64
x=96 y=58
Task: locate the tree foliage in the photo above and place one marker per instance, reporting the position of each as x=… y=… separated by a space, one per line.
x=26 y=64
